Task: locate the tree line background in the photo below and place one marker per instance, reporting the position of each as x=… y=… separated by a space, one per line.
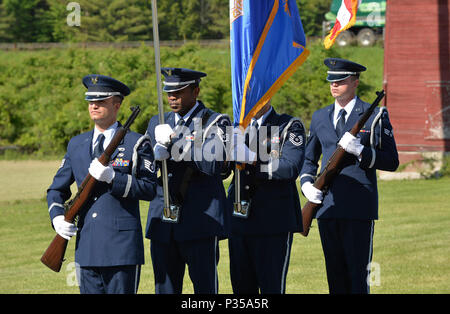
x=130 y=20
x=42 y=101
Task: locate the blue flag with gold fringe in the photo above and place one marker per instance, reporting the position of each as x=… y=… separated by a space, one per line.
x=267 y=47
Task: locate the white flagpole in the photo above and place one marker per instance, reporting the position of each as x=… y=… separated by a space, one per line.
x=160 y=101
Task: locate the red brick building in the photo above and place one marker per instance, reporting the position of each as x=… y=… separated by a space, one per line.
x=417 y=76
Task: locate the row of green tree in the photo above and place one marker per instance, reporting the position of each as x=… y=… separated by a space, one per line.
x=128 y=20
x=42 y=101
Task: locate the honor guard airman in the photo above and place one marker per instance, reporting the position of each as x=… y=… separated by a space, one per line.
x=350 y=205
x=192 y=141
x=109 y=244
x=266 y=213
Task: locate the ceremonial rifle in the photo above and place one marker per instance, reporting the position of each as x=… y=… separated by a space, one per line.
x=54 y=255
x=334 y=167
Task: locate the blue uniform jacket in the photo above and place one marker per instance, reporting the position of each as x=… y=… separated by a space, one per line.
x=353 y=194
x=275 y=204
x=202 y=211
x=109 y=226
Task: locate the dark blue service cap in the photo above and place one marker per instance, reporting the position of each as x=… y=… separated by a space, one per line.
x=340 y=69
x=179 y=78
x=101 y=87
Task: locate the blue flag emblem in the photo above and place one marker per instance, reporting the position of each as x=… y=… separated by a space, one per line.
x=267 y=47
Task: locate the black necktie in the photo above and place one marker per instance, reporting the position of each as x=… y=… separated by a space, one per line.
x=340 y=125
x=178 y=128
x=180 y=122
x=98 y=149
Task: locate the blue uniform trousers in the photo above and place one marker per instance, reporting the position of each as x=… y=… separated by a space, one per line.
x=110 y=279
x=347 y=247
x=170 y=259
x=259 y=263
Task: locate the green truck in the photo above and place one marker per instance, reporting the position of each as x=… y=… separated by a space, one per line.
x=369 y=25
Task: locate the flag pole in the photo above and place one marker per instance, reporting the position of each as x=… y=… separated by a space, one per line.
x=160 y=101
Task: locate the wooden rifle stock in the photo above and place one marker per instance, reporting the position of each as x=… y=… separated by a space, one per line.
x=53 y=257
x=333 y=168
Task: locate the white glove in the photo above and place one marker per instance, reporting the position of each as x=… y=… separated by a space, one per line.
x=241 y=153
x=163 y=133
x=313 y=194
x=351 y=144
x=160 y=152
x=100 y=172
x=63 y=228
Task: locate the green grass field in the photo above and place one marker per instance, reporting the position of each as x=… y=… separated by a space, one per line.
x=411 y=243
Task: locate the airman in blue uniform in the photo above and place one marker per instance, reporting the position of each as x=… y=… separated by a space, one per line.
x=192 y=141
x=350 y=206
x=267 y=211
x=109 y=245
